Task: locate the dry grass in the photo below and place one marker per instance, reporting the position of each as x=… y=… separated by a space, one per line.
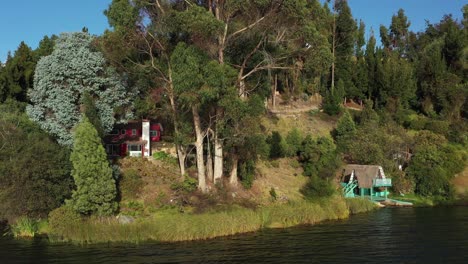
x=318 y=124
x=171 y=225
x=285 y=179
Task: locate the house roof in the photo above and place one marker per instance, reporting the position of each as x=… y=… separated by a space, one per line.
x=363 y=173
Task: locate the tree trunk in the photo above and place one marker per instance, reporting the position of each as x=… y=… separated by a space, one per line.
x=209 y=165
x=199 y=148
x=218 y=159
x=181 y=153
x=233 y=174
x=273 y=96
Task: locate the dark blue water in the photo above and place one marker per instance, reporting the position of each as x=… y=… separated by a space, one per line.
x=398 y=235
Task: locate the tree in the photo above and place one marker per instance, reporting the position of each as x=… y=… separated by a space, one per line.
x=17 y=75
x=95 y=186
x=61 y=80
x=319 y=157
x=345 y=38
x=345 y=128
x=34 y=170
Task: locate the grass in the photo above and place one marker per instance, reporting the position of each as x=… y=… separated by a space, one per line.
x=359 y=205
x=171 y=225
x=24 y=227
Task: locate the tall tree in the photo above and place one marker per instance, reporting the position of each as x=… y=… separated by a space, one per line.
x=95 y=186
x=345 y=39
x=17 y=75
x=62 y=78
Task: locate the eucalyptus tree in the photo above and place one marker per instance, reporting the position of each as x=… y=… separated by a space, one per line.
x=144 y=35
x=61 y=79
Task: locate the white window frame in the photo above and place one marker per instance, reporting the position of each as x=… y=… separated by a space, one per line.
x=154 y=133
x=134 y=132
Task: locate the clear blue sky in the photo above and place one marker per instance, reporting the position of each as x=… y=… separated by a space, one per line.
x=31 y=20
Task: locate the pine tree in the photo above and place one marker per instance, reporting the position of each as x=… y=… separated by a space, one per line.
x=95 y=187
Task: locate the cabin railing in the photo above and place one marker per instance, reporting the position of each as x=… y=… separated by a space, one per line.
x=382 y=182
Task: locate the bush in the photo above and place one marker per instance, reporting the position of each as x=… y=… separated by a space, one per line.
x=62 y=217
x=438 y=127
x=130 y=184
x=187 y=186
x=277 y=145
x=317 y=188
x=247 y=173
x=293 y=142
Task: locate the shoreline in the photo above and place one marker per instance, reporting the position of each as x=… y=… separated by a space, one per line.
x=167 y=226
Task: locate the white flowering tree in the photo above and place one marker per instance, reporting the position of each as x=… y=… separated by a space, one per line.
x=61 y=81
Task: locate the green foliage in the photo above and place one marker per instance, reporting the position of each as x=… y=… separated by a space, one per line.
x=319 y=157
x=293 y=142
x=34 y=170
x=345 y=130
x=63 y=78
x=16 y=77
x=273 y=194
x=247 y=173
x=317 y=188
x=359 y=205
x=277 y=145
x=91 y=112
x=130 y=184
x=95 y=187
x=62 y=217
x=187 y=186
x=24 y=227
x=432 y=168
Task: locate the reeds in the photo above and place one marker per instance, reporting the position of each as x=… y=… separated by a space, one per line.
x=24 y=227
x=359 y=205
x=175 y=226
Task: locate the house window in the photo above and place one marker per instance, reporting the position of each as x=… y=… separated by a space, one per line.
x=133 y=132
x=153 y=133
x=134 y=147
x=123 y=132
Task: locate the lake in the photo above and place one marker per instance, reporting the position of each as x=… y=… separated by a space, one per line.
x=389 y=235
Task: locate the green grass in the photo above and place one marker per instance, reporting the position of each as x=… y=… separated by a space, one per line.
x=24 y=227
x=359 y=205
x=171 y=225
x=417 y=200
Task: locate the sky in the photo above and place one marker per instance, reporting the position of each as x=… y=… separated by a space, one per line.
x=31 y=20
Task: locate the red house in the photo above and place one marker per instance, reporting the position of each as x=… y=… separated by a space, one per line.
x=133 y=139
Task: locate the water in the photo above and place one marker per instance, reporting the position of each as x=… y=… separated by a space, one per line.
x=397 y=235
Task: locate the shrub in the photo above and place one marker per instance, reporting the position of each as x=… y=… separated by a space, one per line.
x=438 y=127
x=317 y=188
x=160 y=155
x=247 y=173
x=62 y=217
x=187 y=186
x=130 y=184
x=293 y=142
x=277 y=146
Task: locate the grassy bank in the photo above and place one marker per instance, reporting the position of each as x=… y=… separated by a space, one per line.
x=171 y=225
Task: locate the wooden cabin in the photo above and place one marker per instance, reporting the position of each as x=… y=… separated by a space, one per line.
x=365 y=181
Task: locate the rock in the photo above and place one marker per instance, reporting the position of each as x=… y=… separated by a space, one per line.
x=125 y=219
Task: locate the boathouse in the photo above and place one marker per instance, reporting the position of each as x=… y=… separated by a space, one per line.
x=365 y=181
